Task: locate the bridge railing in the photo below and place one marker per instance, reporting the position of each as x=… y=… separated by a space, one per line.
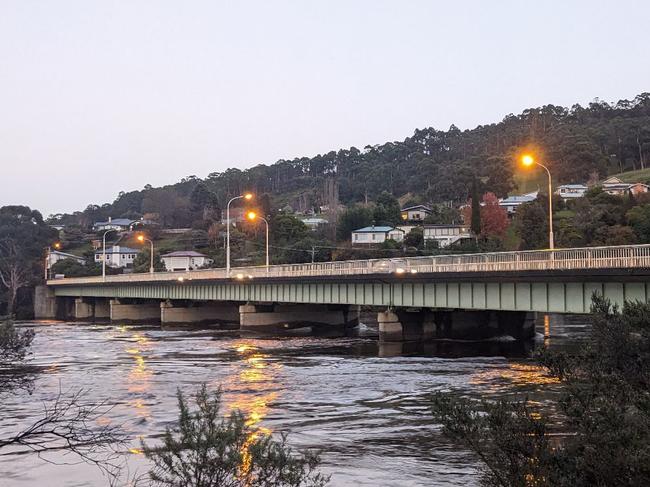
x=627 y=256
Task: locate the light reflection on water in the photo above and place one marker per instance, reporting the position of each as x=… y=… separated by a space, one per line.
x=364 y=406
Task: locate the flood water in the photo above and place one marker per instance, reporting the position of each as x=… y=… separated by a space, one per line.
x=364 y=406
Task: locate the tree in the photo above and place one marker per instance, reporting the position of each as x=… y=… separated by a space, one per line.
x=387 y=210
x=475 y=220
x=531 y=223
x=352 y=219
x=142 y=261
x=207 y=450
x=639 y=218
x=604 y=407
x=415 y=238
x=73 y=268
x=14 y=273
x=494 y=218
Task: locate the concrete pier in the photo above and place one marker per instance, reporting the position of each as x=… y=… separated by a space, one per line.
x=206 y=313
x=283 y=316
x=102 y=309
x=84 y=310
x=141 y=312
x=403 y=325
x=45 y=303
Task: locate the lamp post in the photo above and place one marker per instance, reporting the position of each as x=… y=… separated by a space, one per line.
x=528 y=160
x=142 y=238
x=48 y=252
x=104 y=253
x=246 y=196
x=252 y=216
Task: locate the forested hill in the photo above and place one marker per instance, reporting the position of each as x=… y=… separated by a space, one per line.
x=578 y=144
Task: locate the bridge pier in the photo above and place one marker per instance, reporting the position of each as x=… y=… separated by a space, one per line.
x=207 y=313
x=401 y=325
x=143 y=312
x=45 y=303
x=84 y=310
x=291 y=316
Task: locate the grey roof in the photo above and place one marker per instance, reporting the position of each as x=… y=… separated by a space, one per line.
x=379 y=229
x=122 y=250
x=573 y=186
x=71 y=256
x=184 y=253
x=424 y=207
x=123 y=222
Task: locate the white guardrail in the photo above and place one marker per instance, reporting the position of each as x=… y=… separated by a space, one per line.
x=626 y=257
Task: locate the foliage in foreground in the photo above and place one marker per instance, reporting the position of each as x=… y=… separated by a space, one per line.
x=606 y=409
x=207 y=450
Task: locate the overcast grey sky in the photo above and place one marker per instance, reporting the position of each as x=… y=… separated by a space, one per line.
x=102 y=96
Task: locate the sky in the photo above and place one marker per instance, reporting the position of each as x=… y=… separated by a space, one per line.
x=98 y=97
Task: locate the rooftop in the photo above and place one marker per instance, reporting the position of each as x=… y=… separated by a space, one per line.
x=378 y=229
x=184 y=253
x=125 y=222
x=417 y=207
x=118 y=250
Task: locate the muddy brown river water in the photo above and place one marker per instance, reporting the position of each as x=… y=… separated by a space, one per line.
x=365 y=406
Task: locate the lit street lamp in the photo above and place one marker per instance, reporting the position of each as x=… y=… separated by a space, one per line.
x=142 y=239
x=246 y=196
x=252 y=216
x=48 y=251
x=528 y=160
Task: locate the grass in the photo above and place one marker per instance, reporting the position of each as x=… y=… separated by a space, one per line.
x=638 y=176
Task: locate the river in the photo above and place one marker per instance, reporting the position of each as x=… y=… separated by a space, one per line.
x=365 y=406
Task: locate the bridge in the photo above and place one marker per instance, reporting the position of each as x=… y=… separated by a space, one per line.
x=416 y=297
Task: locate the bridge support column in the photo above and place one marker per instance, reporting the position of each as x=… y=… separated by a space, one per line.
x=481 y=325
x=146 y=312
x=404 y=326
x=45 y=303
x=207 y=313
x=84 y=310
x=290 y=316
x=102 y=309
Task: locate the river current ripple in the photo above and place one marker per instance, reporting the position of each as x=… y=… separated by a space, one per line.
x=364 y=406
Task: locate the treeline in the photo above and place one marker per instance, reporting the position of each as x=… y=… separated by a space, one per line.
x=434 y=166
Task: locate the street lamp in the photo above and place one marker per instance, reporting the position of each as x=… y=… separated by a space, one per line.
x=246 y=196
x=528 y=160
x=252 y=216
x=48 y=251
x=142 y=239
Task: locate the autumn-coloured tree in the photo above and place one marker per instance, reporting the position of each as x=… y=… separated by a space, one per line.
x=494 y=219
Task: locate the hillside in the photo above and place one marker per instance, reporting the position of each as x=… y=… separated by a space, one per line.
x=435 y=166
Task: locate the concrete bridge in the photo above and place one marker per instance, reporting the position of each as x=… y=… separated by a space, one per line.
x=469 y=295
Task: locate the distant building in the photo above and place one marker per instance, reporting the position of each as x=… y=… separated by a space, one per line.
x=415 y=213
x=119 y=224
x=512 y=202
x=237 y=215
x=616 y=187
x=55 y=256
x=571 y=191
x=117 y=256
x=376 y=235
x=314 y=222
x=185 y=260
x=446 y=235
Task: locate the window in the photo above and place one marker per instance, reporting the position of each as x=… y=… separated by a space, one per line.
x=373 y=236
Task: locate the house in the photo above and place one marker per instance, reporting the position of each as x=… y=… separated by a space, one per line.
x=117 y=256
x=446 y=235
x=512 y=202
x=119 y=224
x=55 y=256
x=616 y=187
x=571 y=191
x=185 y=260
x=314 y=222
x=415 y=213
x=376 y=235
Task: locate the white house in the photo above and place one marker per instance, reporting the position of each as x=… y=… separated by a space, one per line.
x=415 y=213
x=185 y=260
x=117 y=256
x=314 y=222
x=114 y=224
x=512 y=202
x=55 y=256
x=376 y=235
x=446 y=235
x=571 y=191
